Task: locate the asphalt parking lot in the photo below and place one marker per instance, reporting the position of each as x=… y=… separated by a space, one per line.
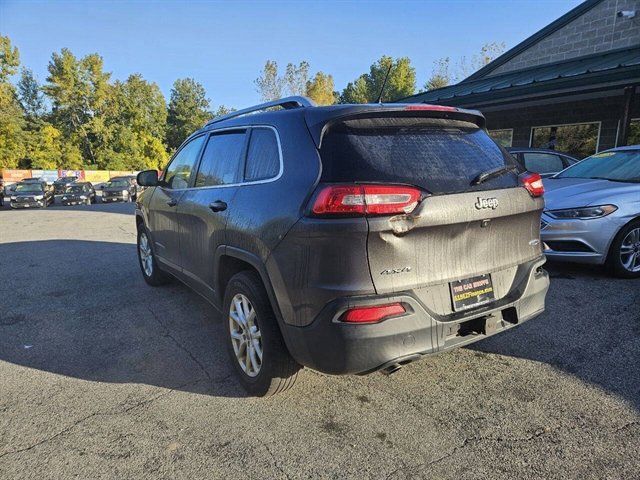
x=102 y=376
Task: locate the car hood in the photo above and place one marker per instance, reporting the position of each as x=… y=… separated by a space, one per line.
x=25 y=194
x=582 y=192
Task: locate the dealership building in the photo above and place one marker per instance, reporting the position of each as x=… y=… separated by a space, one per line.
x=574 y=86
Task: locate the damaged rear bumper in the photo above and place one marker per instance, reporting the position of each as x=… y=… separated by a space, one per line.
x=335 y=347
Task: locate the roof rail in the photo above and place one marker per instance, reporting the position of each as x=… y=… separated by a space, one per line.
x=286 y=103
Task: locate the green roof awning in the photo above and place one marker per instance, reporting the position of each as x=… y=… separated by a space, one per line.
x=592 y=69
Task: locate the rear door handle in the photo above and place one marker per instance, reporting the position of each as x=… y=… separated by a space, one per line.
x=218 y=206
x=172 y=203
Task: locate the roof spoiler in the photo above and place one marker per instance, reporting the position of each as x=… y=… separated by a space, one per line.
x=320 y=120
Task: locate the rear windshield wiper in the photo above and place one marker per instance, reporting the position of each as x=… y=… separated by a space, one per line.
x=493 y=173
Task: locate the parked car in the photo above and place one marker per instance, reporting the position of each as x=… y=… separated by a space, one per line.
x=79 y=193
x=349 y=238
x=592 y=212
x=37 y=181
x=119 y=189
x=542 y=161
x=31 y=194
x=2 y=192
x=61 y=184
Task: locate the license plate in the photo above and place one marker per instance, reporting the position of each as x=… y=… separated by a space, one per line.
x=471 y=292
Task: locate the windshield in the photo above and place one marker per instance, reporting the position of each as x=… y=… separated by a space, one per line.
x=620 y=166
x=74 y=189
x=29 y=188
x=66 y=180
x=117 y=184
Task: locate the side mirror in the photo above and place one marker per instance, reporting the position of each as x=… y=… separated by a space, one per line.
x=148 y=178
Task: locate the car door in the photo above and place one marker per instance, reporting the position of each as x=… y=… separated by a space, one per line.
x=163 y=220
x=203 y=209
x=546 y=164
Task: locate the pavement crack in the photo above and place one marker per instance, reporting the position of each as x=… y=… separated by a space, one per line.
x=181 y=346
x=82 y=420
x=276 y=463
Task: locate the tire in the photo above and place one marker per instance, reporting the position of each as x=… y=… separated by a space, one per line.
x=628 y=238
x=154 y=277
x=277 y=370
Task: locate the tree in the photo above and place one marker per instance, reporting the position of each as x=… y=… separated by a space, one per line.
x=31 y=96
x=80 y=93
x=9 y=59
x=296 y=78
x=320 y=89
x=269 y=85
x=188 y=110
x=488 y=53
x=12 y=148
x=222 y=110
x=441 y=74
x=367 y=88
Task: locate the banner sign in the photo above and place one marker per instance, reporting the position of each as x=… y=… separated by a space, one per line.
x=72 y=173
x=11 y=175
x=48 y=176
x=96 y=176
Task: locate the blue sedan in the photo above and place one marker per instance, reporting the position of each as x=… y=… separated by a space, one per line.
x=592 y=212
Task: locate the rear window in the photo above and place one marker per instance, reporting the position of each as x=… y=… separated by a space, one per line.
x=438 y=156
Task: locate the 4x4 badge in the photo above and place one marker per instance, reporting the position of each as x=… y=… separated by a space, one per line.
x=491 y=203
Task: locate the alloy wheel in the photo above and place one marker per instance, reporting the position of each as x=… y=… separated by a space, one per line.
x=146 y=257
x=246 y=338
x=630 y=251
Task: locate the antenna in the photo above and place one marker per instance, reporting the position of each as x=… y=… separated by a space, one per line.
x=384 y=84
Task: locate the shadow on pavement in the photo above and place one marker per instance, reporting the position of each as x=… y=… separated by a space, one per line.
x=81 y=309
x=125 y=208
x=596 y=340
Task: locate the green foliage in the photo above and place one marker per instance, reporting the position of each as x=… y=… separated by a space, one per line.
x=320 y=89
x=441 y=75
x=367 y=87
x=9 y=59
x=188 y=110
x=31 y=96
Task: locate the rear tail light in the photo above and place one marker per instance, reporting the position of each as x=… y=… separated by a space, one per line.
x=365 y=200
x=533 y=183
x=373 y=314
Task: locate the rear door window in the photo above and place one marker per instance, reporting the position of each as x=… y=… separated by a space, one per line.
x=440 y=156
x=263 y=156
x=222 y=159
x=543 y=162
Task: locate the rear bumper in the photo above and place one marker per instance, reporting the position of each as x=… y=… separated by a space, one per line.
x=338 y=348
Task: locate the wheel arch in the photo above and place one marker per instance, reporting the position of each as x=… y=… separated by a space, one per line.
x=231 y=260
x=618 y=232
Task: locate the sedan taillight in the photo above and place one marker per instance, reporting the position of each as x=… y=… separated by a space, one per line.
x=533 y=183
x=366 y=199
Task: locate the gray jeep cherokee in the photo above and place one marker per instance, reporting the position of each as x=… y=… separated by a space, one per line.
x=348 y=238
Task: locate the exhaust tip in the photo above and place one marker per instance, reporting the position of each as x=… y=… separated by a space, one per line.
x=391 y=369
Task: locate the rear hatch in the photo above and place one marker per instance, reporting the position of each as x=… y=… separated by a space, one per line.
x=459 y=234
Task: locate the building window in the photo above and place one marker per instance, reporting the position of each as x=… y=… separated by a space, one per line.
x=579 y=140
x=634 y=132
x=502 y=137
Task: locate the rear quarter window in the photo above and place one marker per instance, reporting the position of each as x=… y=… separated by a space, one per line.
x=438 y=156
x=263 y=156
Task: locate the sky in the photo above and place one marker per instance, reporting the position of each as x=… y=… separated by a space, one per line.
x=224 y=45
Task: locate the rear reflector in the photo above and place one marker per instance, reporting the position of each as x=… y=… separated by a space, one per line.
x=533 y=183
x=372 y=314
x=365 y=200
x=432 y=108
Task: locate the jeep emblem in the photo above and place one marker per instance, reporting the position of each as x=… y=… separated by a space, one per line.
x=491 y=203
